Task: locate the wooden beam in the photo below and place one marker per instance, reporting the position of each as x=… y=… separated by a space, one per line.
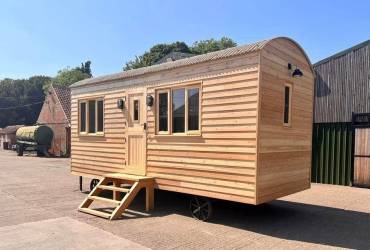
x=149 y=203
x=126 y=201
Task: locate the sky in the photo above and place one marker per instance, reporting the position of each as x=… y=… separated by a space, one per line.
x=40 y=37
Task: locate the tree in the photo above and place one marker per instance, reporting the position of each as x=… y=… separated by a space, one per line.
x=68 y=76
x=85 y=68
x=21 y=100
x=206 y=46
x=158 y=51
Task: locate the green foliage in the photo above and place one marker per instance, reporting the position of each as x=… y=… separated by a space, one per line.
x=158 y=51
x=85 y=68
x=68 y=76
x=21 y=100
x=206 y=46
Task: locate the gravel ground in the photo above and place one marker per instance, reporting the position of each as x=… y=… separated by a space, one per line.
x=40 y=193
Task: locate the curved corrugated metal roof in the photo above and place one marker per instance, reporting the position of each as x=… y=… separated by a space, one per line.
x=175 y=64
x=239 y=50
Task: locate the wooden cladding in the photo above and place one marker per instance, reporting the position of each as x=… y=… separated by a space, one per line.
x=216 y=128
x=342 y=86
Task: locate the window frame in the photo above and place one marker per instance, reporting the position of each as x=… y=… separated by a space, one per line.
x=80 y=117
x=87 y=116
x=289 y=123
x=136 y=99
x=169 y=111
x=169 y=91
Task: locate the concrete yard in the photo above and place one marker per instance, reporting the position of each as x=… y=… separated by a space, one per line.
x=39 y=200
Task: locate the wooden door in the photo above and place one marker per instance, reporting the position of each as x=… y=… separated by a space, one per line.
x=362 y=157
x=136 y=132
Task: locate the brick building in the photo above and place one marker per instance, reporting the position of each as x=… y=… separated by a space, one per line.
x=56 y=113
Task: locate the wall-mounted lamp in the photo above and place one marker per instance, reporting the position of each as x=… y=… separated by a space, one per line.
x=297 y=72
x=121 y=103
x=149 y=100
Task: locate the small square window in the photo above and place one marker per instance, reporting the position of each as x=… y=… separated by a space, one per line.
x=91 y=116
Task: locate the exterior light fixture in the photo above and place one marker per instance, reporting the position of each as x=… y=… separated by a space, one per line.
x=297 y=72
x=149 y=100
x=121 y=103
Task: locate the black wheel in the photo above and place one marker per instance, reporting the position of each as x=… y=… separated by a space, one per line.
x=93 y=183
x=20 y=150
x=200 y=208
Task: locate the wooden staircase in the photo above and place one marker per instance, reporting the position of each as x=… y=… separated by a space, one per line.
x=113 y=182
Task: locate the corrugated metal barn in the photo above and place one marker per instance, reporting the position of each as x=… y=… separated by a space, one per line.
x=341 y=137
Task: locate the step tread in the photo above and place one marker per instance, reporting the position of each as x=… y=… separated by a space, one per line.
x=98 y=198
x=122 y=190
x=130 y=177
x=95 y=212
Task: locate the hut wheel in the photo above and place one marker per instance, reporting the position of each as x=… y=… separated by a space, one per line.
x=200 y=208
x=93 y=183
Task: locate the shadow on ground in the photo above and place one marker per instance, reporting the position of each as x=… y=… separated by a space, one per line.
x=281 y=219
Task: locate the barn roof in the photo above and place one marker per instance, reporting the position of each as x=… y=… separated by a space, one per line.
x=11 y=129
x=64 y=96
x=226 y=53
x=342 y=53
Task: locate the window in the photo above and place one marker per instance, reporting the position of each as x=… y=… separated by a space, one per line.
x=287 y=104
x=100 y=116
x=136 y=110
x=182 y=116
x=83 y=117
x=163 y=112
x=91 y=116
x=178 y=111
x=193 y=109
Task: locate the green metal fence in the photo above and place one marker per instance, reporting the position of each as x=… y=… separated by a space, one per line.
x=332 y=153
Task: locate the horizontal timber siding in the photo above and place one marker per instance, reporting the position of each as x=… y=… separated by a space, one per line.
x=284 y=152
x=221 y=163
x=98 y=155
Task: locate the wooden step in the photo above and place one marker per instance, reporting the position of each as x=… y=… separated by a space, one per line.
x=95 y=212
x=129 y=177
x=137 y=183
x=97 y=198
x=113 y=188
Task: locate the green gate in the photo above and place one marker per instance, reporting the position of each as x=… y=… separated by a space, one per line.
x=332 y=153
